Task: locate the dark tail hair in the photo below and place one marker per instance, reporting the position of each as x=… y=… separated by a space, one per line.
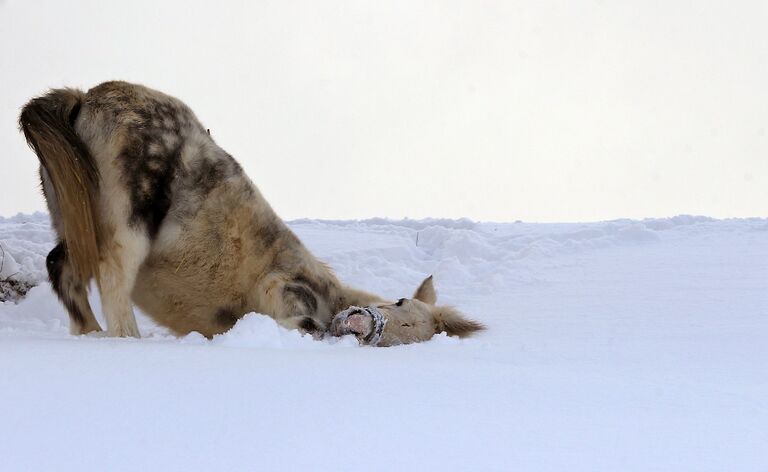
x=48 y=125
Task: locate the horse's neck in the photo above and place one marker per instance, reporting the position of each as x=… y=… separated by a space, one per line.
x=348 y=296
x=306 y=268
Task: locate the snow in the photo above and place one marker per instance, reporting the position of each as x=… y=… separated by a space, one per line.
x=23 y=239
x=620 y=345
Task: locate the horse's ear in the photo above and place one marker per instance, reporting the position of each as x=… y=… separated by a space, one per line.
x=426 y=292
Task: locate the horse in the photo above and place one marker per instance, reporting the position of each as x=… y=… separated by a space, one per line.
x=144 y=201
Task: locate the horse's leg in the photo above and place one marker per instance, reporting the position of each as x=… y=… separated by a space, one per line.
x=118 y=269
x=293 y=304
x=71 y=292
x=301 y=312
x=305 y=324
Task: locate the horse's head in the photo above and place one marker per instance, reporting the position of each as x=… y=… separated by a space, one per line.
x=404 y=321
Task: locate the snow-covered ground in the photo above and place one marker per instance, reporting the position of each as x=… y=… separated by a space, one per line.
x=622 y=345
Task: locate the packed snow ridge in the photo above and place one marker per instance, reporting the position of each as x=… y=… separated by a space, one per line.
x=619 y=345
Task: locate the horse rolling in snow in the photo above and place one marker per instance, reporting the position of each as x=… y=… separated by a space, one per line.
x=144 y=201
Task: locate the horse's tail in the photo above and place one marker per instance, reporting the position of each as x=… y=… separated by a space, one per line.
x=48 y=125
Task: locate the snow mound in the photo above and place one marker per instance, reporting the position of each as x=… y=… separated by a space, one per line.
x=260 y=331
x=8 y=265
x=15 y=280
x=25 y=241
x=461 y=223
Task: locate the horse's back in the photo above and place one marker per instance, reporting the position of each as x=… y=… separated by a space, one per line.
x=150 y=149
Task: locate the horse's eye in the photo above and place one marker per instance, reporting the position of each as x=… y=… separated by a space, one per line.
x=400 y=302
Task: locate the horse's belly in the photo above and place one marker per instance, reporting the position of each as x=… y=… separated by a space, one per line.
x=187 y=296
x=201 y=271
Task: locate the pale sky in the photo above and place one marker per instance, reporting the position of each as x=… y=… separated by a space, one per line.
x=492 y=110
